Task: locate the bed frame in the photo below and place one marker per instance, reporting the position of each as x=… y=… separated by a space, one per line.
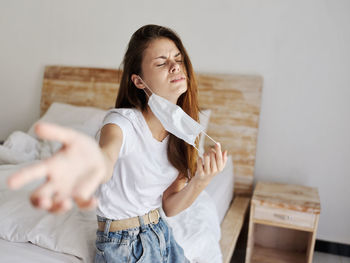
x=235 y=104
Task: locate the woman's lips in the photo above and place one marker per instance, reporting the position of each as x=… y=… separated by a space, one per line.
x=177 y=80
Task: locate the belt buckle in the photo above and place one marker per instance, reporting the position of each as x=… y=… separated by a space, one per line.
x=150 y=221
x=158 y=215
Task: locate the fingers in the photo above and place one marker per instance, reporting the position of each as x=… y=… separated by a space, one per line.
x=219 y=156
x=54 y=132
x=27 y=174
x=35 y=171
x=224 y=154
x=42 y=196
x=86 y=204
x=213 y=161
x=218 y=159
x=61 y=207
x=206 y=157
x=200 y=166
x=74 y=172
x=67 y=204
x=85 y=187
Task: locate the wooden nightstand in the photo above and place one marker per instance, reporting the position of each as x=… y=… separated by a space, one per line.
x=283 y=223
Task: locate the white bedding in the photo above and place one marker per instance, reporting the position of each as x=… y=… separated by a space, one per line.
x=196 y=229
x=72 y=235
x=221 y=189
x=29 y=253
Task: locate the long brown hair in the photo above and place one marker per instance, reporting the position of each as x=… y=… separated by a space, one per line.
x=180 y=154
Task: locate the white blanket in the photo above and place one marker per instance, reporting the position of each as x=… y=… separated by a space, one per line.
x=20 y=147
x=196 y=229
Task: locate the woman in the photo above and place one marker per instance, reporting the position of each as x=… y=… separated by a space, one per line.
x=138 y=166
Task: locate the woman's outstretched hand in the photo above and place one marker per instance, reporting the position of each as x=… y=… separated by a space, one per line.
x=72 y=173
x=212 y=163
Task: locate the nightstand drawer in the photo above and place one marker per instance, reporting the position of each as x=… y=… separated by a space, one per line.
x=287 y=217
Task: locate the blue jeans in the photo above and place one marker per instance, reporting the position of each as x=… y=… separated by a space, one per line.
x=150 y=243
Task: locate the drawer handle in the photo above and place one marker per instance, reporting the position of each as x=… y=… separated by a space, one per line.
x=282 y=217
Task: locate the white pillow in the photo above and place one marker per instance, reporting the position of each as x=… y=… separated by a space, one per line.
x=80 y=118
x=204 y=117
x=73 y=232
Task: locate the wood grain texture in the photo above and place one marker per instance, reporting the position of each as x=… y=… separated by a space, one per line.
x=283 y=223
x=271 y=255
x=287 y=196
x=233 y=99
x=93 y=87
x=232 y=225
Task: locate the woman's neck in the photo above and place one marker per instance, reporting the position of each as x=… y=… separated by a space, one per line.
x=155 y=126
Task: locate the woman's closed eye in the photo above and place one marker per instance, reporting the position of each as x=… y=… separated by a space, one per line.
x=178 y=61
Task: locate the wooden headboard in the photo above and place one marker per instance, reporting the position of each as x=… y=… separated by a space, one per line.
x=233 y=99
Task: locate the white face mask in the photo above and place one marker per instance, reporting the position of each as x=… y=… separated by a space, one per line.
x=174 y=119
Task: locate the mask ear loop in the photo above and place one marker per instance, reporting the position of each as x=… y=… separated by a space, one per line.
x=199 y=153
x=196 y=148
x=210 y=137
x=146 y=87
x=149 y=90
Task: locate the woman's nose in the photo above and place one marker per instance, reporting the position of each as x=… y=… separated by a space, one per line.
x=175 y=67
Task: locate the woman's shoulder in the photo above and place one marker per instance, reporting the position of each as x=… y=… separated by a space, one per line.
x=128 y=113
x=129 y=116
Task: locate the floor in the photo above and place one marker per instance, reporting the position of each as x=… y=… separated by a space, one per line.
x=319 y=257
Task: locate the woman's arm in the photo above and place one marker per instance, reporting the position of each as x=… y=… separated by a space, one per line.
x=178 y=197
x=72 y=173
x=111 y=140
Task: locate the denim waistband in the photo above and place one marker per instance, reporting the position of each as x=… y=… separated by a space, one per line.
x=130 y=231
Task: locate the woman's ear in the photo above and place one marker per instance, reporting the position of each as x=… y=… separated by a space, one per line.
x=137 y=81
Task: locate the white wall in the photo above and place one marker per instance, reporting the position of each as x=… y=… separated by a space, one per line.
x=300 y=47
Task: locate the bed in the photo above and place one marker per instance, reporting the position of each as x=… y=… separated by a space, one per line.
x=230 y=111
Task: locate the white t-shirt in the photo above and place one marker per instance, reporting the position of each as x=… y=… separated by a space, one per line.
x=142 y=172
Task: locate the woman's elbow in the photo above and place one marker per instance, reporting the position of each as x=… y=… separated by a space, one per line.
x=169 y=212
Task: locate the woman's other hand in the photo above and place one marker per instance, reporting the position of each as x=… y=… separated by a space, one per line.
x=72 y=173
x=212 y=163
